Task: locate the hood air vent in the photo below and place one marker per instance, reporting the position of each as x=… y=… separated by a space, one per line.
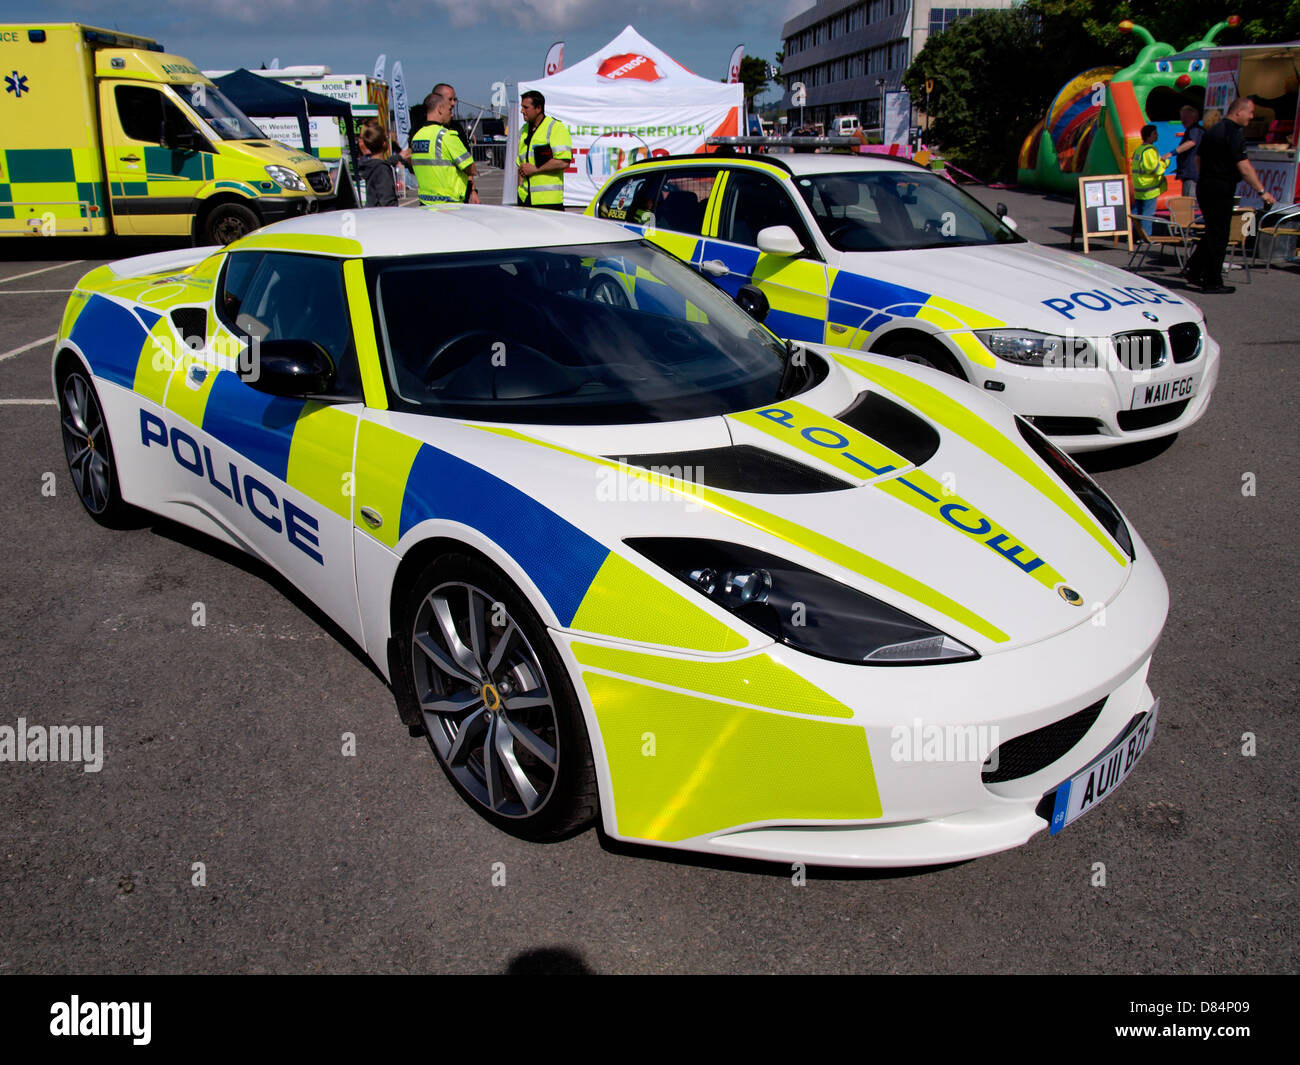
x=744 y=468
x=894 y=426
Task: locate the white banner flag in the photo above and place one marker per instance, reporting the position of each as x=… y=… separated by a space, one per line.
x=733 y=71
x=380 y=63
x=554 y=60
x=403 y=112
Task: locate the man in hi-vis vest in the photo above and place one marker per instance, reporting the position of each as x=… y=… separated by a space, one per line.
x=545 y=152
x=442 y=163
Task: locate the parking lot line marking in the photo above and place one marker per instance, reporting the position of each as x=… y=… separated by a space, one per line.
x=27 y=347
x=30 y=291
x=27 y=403
x=42 y=270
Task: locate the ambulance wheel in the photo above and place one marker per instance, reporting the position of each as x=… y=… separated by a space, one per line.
x=228 y=222
x=89 y=451
x=923 y=351
x=495 y=700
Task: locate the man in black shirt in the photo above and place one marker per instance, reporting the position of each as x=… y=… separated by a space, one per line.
x=1222 y=161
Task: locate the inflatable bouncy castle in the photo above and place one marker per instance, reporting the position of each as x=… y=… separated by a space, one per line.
x=1094 y=124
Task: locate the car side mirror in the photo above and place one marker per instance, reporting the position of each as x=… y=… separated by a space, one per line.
x=779 y=240
x=290 y=368
x=753 y=301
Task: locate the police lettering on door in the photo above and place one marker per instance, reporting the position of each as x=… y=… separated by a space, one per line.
x=243 y=489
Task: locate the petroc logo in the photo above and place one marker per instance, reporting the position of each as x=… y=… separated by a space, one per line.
x=629 y=65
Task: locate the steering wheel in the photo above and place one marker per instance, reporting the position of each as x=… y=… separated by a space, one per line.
x=844 y=226
x=606 y=290
x=426 y=371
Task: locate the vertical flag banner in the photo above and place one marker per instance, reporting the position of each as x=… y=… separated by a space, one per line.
x=554 y=60
x=400 y=106
x=733 y=71
x=380 y=63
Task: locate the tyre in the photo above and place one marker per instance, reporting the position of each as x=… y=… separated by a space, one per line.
x=88 y=449
x=923 y=352
x=228 y=222
x=495 y=700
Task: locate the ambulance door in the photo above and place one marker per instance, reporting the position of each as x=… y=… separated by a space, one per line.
x=795 y=285
x=155 y=158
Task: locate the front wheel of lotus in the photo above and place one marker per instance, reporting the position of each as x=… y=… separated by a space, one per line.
x=495 y=700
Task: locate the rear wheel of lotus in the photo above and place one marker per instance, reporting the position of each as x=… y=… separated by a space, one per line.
x=89 y=451
x=496 y=702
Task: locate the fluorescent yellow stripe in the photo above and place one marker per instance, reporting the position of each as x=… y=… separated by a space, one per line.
x=320 y=456
x=679 y=244
x=184 y=398
x=627 y=603
x=759 y=679
x=363 y=334
x=822 y=427
x=792 y=533
x=965 y=317
x=974 y=349
x=975 y=430
x=681 y=766
x=796 y=286
x=299 y=242
x=384 y=459
x=157 y=360
x=715 y=205
x=985 y=528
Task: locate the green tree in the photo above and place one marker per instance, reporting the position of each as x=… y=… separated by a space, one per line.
x=753 y=75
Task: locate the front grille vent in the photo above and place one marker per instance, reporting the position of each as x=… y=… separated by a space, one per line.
x=1185 y=341
x=320 y=181
x=1147 y=417
x=1027 y=754
x=1142 y=349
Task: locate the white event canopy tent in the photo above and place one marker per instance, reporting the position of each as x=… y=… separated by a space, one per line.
x=626 y=101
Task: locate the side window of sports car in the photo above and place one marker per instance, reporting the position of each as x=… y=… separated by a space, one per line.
x=282 y=296
x=632 y=199
x=753 y=202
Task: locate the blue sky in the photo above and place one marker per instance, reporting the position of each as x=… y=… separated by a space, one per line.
x=469 y=43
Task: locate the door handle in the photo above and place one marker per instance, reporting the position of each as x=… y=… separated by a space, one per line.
x=371 y=517
x=715 y=268
x=130 y=158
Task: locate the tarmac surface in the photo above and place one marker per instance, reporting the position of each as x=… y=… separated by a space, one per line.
x=224 y=746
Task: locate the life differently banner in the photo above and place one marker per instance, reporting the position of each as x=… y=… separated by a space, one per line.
x=627 y=101
x=554 y=60
x=733 y=68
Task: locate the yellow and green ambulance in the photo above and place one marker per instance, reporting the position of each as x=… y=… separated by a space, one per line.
x=104 y=133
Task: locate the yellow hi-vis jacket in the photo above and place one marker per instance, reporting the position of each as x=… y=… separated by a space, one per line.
x=441 y=161
x=1146 y=172
x=550 y=134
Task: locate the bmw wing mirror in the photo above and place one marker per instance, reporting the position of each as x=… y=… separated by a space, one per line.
x=779 y=240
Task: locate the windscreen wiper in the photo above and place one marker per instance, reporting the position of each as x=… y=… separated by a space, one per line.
x=792 y=367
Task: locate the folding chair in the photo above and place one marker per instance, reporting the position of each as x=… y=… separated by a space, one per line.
x=1285 y=223
x=1182 y=211
x=1242 y=226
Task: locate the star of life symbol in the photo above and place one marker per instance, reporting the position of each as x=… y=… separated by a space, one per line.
x=16 y=83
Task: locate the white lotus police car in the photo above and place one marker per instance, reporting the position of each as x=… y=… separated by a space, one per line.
x=621 y=553
x=877 y=254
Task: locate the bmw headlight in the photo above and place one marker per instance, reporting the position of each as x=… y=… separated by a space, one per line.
x=1024 y=347
x=800 y=607
x=286 y=178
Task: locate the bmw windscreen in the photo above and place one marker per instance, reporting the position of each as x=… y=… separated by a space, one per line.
x=591 y=334
x=898 y=210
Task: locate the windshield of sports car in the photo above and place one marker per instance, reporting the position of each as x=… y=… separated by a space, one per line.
x=897 y=210
x=590 y=334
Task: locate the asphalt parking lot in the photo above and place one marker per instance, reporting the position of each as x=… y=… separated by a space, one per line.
x=227 y=830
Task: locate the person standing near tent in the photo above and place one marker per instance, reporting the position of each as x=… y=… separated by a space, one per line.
x=1147 y=182
x=442 y=163
x=443 y=89
x=545 y=152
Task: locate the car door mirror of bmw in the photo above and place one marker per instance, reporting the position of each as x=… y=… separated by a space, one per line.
x=287 y=368
x=779 y=240
x=752 y=300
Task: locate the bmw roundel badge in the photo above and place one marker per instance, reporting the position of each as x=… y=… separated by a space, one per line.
x=1149 y=316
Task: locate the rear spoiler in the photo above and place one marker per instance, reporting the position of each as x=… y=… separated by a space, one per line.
x=162 y=262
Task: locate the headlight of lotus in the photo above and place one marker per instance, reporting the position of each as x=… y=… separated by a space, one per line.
x=800 y=607
x=1027 y=348
x=287 y=178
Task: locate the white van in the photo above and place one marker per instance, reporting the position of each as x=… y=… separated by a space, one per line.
x=845 y=126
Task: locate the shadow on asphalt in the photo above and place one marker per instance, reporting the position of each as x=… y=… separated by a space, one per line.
x=1119 y=458
x=548 y=961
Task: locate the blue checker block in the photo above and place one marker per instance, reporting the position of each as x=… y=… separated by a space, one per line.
x=111 y=338
x=258 y=426
x=560 y=558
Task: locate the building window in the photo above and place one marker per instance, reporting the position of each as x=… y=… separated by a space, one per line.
x=943 y=17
